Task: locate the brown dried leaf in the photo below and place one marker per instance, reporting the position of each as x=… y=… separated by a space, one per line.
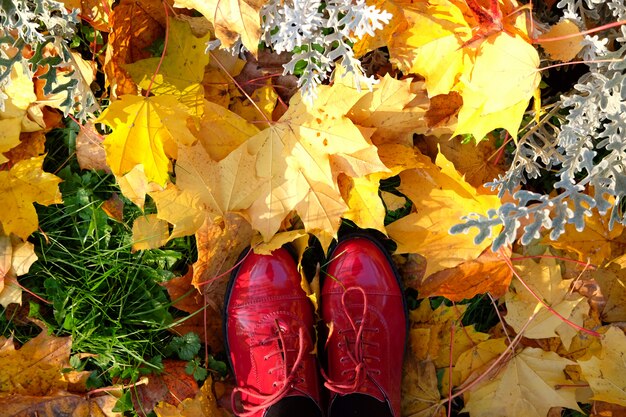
x=63 y=404
x=420 y=395
x=172 y=386
x=487 y=273
x=35 y=368
x=219 y=246
x=89 y=149
x=31 y=144
x=135 y=25
x=114 y=207
x=442 y=109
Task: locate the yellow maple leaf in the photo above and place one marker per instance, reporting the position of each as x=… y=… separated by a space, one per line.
x=221 y=130
x=495 y=72
x=432 y=44
x=301 y=156
x=260 y=109
x=365 y=208
x=146 y=130
x=545 y=279
x=395 y=108
x=134 y=185
x=179 y=208
x=420 y=395
x=182 y=69
x=606 y=373
x=383 y=36
x=231 y=184
x=473 y=362
x=441 y=197
x=595 y=244
x=35 y=368
x=497 y=88
x=149 y=232
x=528 y=382
x=24 y=184
x=232 y=20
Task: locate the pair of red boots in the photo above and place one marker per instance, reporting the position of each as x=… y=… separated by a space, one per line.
x=270 y=335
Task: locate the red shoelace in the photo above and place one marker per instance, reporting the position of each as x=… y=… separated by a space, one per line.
x=362 y=370
x=282 y=387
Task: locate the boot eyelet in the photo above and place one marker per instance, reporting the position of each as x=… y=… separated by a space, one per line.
x=274 y=384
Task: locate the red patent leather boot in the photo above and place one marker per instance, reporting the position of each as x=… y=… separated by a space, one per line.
x=364 y=309
x=269 y=337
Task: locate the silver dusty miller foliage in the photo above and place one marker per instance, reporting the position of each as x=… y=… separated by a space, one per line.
x=582 y=141
x=40 y=23
x=320 y=34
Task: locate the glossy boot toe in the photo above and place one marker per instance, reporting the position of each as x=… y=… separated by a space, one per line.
x=269 y=336
x=363 y=307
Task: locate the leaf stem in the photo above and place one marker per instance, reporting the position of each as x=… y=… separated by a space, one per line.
x=165 y=43
x=269 y=122
x=585 y=32
x=562 y=64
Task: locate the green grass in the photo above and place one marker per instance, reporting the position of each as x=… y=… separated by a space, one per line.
x=106 y=297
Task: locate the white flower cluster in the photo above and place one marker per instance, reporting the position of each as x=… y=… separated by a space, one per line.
x=320 y=34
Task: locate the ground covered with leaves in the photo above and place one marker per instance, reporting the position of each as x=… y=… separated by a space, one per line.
x=144 y=145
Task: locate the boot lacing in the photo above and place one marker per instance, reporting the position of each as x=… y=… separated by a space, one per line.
x=362 y=370
x=290 y=375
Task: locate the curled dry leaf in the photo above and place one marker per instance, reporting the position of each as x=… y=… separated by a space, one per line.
x=114 y=207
